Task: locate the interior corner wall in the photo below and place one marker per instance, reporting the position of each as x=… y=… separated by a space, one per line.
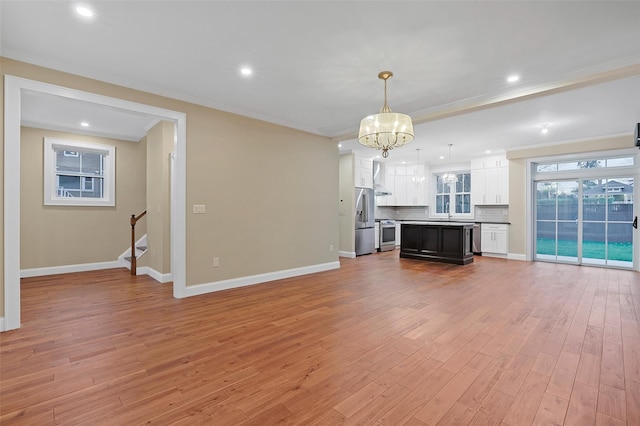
x=71 y=235
x=158 y=218
x=518 y=179
x=346 y=203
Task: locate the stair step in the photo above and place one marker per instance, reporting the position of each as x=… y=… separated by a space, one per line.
x=142 y=248
x=128 y=258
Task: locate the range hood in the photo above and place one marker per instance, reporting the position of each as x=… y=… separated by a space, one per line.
x=379 y=187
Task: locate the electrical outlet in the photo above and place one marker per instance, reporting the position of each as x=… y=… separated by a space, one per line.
x=330 y=247
x=198 y=208
x=216 y=262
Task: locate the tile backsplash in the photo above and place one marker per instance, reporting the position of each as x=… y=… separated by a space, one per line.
x=492 y=214
x=403 y=213
x=482 y=213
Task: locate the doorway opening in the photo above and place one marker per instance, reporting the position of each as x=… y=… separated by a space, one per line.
x=15 y=87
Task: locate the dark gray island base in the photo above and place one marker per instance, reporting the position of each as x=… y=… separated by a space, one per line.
x=449 y=242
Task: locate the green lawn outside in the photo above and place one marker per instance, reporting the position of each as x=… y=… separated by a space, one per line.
x=590 y=249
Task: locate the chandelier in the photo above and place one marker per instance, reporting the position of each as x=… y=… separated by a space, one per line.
x=449 y=178
x=385 y=130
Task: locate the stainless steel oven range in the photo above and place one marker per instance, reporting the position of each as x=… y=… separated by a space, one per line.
x=387 y=235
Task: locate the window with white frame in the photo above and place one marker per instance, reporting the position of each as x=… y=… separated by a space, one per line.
x=463 y=193
x=78 y=173
x=453 y=198
x=443 y=195
x=608 y=162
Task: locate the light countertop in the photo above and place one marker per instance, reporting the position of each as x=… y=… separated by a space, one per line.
x=437 y=223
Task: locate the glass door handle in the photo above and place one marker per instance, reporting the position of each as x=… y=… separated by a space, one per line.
x=635 y=222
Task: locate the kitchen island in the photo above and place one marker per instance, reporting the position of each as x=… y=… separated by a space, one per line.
x=449 y=242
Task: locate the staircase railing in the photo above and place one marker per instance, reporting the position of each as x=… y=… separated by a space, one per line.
x=134 y=219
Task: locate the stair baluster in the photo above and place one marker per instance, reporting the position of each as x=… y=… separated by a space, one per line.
x=134 y=219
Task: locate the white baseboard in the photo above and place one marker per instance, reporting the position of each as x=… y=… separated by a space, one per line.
x=2 y=325
x=194 y=290
x=66 y=269
x=349 y=254
x=516 y=256
x=496 y=255
x=161 y=278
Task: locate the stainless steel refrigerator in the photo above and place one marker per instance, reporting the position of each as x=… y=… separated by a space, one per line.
x=365 y=221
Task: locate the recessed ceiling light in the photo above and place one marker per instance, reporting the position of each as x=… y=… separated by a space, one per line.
x=544 y=130
x=84 y=124
x=442 y=157
x=84 y=11
x=339 y=145
x=513 y=78
x=246 y=71
x=488 y=151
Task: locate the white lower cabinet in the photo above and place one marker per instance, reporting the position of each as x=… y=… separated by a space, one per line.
x=377 y=241
x=398 y=233
x=494 y=238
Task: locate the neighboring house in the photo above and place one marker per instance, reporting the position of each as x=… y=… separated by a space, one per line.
x=618 y=192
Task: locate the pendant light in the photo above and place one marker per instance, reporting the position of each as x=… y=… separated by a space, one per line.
x=418 y=178
x=449 y=178
x=385 y=130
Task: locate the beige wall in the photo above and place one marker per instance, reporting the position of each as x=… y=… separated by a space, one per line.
x=346 y=203
x=270 y=191
x=70 y=235
x=158 y=218
x=270 y=195
x=518 y=181
x=2 y=188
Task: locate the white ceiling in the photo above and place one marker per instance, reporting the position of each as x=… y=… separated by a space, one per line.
x=316 y=64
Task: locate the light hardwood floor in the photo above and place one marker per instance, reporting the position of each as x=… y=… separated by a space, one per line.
x=381 y=341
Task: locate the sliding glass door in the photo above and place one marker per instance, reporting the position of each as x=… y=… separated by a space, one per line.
x=607 y=224
x=557 y=206
x=585 y=221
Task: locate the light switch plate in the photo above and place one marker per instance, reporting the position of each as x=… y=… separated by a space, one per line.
x=198 y=208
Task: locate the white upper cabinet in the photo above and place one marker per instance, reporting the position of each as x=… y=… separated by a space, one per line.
x=409 y=185
x=489 y=163
x=364 y=173
x=497 y=185
x=490 y=181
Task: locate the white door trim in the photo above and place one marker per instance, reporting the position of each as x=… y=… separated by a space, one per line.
x=13 y=87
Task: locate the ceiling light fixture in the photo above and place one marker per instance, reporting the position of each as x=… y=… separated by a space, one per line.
x=84 y=11
x=84 y=124
x=513 y=78
x=246 y=71
x=545 y=129
x=419 y=177
x=385 y=130
x=449 y=178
